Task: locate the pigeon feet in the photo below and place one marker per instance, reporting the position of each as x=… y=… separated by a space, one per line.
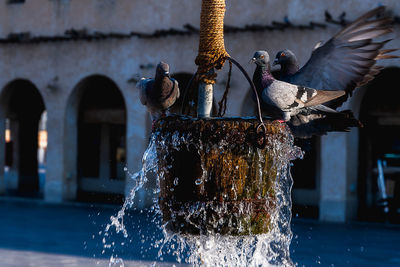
x=282 y=123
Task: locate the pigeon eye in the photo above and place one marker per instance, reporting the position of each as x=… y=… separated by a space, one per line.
x=261 y=56
x=283 y=55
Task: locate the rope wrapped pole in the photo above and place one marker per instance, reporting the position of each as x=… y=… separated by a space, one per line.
x=212 y=53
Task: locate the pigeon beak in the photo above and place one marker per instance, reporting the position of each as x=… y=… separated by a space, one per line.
x=252 y=60
x=276 y=62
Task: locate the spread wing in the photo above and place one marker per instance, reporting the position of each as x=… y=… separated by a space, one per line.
x=309 y=97
x=348 y=59
x=288 y=96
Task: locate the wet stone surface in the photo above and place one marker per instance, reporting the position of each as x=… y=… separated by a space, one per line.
x=215 y=178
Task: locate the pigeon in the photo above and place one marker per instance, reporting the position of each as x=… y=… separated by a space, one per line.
x=283 y=100
x=158 y=93
x=344 y=62
x=316 y=123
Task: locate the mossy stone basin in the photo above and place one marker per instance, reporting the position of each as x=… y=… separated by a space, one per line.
x=213 y=178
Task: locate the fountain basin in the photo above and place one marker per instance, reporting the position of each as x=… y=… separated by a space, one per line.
x=213 y=177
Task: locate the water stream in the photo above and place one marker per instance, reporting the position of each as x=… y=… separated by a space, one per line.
x=209 y=248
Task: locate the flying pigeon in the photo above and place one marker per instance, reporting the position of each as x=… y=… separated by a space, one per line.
x=283 y=100
x=160 y=93
x=346 y=61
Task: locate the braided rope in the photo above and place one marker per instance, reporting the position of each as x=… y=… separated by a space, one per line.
x=212 y=53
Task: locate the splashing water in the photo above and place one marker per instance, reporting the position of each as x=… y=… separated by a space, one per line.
x=210 y=248
x=149 y=165
x=270 y=249
x=116 y=262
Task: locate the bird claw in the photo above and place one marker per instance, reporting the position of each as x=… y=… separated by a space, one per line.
x=282 y=123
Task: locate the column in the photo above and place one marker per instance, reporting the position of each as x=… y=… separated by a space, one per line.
x=54 y=190
x=338 y=199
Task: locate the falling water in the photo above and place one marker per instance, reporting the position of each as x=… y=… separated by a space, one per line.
x=210 y=248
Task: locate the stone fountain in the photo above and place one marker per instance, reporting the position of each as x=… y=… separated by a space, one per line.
x=223 y=183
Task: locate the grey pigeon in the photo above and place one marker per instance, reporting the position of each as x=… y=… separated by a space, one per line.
x=158 y=93
x=283 y=100
x=346 y=61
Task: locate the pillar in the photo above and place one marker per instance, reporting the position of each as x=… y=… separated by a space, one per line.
x=338 y=201
x=57 y=184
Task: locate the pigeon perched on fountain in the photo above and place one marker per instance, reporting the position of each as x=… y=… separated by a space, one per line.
x=346 y=61
x=158 y=94
x=283 y=100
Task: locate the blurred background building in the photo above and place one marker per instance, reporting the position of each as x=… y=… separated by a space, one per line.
x=72 y=122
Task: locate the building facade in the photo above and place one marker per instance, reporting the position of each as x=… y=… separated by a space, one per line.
x=77 y=63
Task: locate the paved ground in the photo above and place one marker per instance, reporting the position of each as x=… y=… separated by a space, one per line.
x=37 y=234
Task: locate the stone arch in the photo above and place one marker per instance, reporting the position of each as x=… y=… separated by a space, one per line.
x=95 y=140
x=21 y=108
x=379 y=138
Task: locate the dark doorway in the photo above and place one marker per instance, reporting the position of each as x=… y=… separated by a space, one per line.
x=101 y=141
x=23 y=109
x=305 y=174
x=379 y=146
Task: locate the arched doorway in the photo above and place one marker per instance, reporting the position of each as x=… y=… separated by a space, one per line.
x=96 y=118
x=380 y=141
x=22 y=108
